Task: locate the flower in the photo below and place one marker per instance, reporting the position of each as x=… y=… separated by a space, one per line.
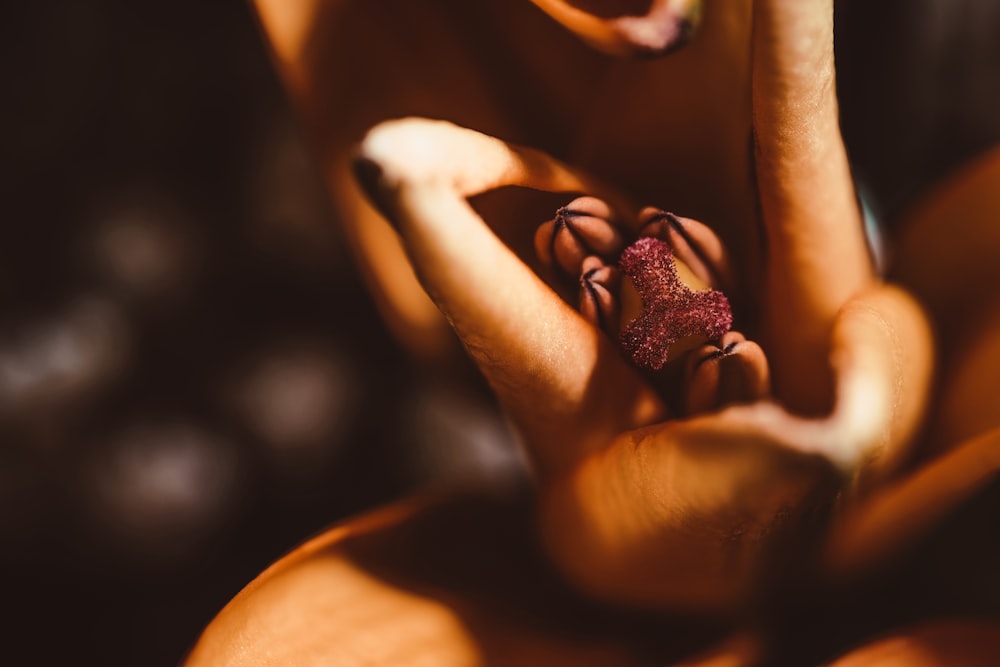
x=698 y=515
x=508 y=70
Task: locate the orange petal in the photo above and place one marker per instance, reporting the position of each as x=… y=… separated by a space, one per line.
x=562 y=381
x=817 y=253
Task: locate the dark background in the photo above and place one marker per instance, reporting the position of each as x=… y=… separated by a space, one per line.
x=192 y=379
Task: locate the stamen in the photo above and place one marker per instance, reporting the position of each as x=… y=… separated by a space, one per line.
x=581 y=228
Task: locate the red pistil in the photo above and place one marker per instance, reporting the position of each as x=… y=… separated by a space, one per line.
x=670 y=309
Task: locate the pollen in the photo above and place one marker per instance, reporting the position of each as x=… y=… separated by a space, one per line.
x=671 y=310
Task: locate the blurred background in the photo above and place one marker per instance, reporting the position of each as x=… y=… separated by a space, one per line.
x=192 y=378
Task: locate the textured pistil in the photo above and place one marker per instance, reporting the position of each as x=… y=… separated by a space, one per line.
x=670 y=309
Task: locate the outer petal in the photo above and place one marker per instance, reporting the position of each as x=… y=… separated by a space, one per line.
x=684 y=515
x=947 y=254
x=895 y=517
x=941 y=643
x=664 y=25
x=451 y=582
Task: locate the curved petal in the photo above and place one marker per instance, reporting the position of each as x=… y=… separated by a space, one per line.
x=887 y=522
x=947 y=254
x=881 y=357
x=562 y=381
x=680 y=515
x=938 y=643
x=817 y=255
x=683 y=514
x=663 y=26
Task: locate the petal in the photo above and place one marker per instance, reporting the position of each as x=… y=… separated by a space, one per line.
x=562 y=381
x=818 y=257
x=642 y=521
x=947 y=254
x=663 y=26
x=895 y=517
x=881 y=354
x=679 y=516
x=937 y=643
